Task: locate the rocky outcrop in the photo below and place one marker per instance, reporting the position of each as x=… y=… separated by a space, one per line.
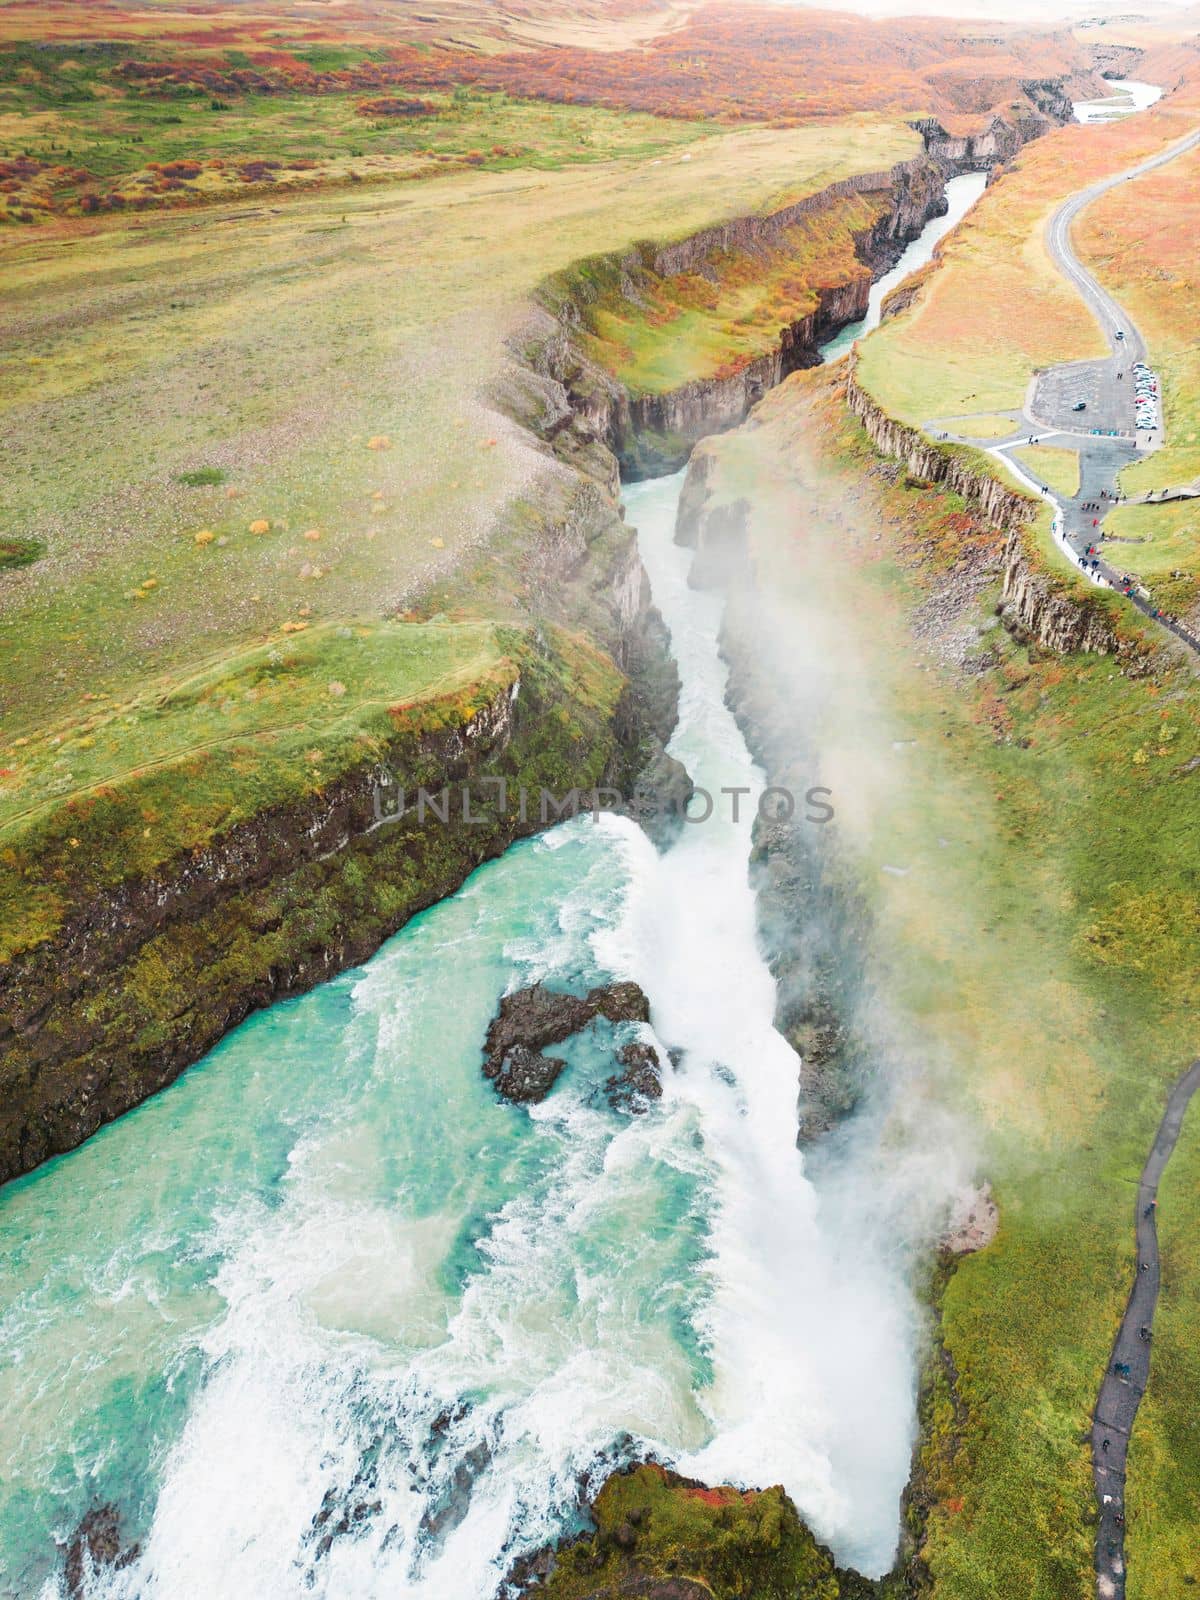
x=96 y=1549
x=639 y=1083
x=524 y=1075
x=913 y=185
x=953 y=466
x=1050 y=97
x=529 y=1019
x=658 y=1536
x=1002 y=136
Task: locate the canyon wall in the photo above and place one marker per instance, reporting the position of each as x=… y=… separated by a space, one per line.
x=952 y=466
x=1064 y=614
x=140 y=979
x=650 y=434
x=1057 y=612
x=138 y=982
x=1003 y=136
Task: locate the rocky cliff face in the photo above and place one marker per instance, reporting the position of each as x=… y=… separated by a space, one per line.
x=146 y=977
x=1003 y=137
x=924 y=459
x=654 y=433
x=912 y=184
x=1056 y=618
x=1060 y=616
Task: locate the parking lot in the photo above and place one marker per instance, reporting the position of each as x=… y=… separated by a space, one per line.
x=1111 y=402
x=1108 y=400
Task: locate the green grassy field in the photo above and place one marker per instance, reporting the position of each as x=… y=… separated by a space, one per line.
x=291 y=443
x=98 y=142
x=983 y=426
x=128 y=785
x=1058 y=468
x=1024 y=836
x=291 y=342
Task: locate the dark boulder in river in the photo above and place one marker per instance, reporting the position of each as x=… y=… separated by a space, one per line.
x=526 y=1074
x=529 y=1019
x=97 y=1544
x=640 y=1082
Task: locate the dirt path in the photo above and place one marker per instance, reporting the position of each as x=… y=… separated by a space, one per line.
x=1129 y=1364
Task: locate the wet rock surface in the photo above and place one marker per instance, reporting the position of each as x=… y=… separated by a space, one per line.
x=526 y=1075
x=640 y=1083
x=529 y=1019
x=97 y=1545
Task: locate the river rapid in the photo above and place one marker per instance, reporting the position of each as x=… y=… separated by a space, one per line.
x=326 y=1318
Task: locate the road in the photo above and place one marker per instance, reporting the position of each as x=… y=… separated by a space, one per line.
x=1108 y=389
x=1049 y=417
x=1106 y=386
x=1129 y=1364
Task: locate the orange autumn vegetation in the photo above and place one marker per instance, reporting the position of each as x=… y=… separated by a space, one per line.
x=738 y=63
x=732 y=63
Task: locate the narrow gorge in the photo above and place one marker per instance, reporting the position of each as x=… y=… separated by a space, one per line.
x=437 y=1431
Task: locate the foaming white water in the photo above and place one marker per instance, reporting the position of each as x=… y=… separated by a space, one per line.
x=450 y=1318
x=810 y=1333
x=319 y=1461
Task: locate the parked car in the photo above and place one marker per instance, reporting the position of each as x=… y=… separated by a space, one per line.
x=1080 y=405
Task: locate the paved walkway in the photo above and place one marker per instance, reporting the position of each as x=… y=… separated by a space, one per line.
x=1129 y=1364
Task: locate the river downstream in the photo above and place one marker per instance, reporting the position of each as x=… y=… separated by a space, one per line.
x=327 y=1318
x=961 y=194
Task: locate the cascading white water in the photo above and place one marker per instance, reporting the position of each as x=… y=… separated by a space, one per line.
x=325 y=1320
x=809 y=1331
x=378 y=1415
